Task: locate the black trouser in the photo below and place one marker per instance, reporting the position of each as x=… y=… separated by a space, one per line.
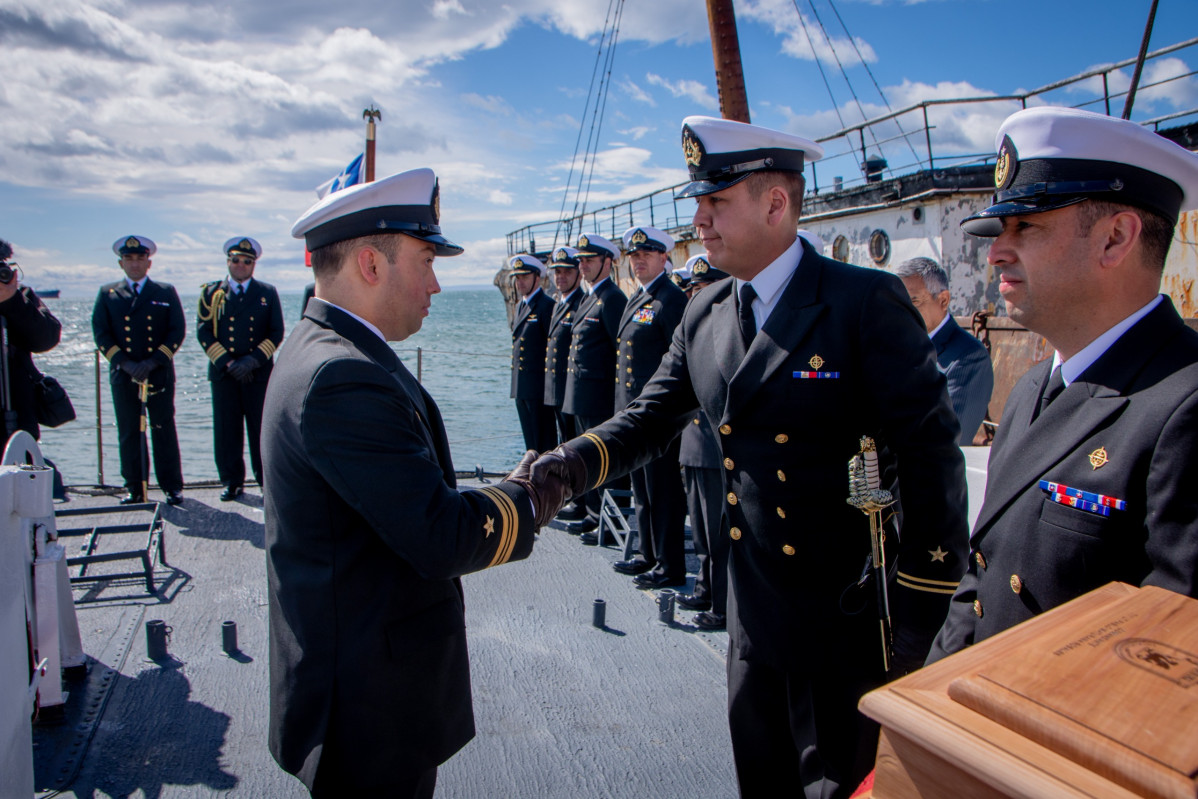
x=161 y=404
x=594 y=499
x=661 y=513
x=799 y=733
x=566 y=428
x=536 y=423
x=237 y=410
x=705 y=502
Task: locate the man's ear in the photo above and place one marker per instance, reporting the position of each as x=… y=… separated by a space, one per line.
x=1120 y=233
x=368 y=261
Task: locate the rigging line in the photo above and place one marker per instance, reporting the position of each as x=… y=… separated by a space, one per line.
x=609 y=24
x=590 y=91
x=603 y=110
x=840 y=66
x=870 y=72
x=815 y=56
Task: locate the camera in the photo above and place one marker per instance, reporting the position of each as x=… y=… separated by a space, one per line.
x=6 y=273
x=6 y=269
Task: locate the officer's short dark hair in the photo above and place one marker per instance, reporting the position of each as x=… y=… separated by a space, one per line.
x=792 y=182
x=327 y=260
x=1156 y=234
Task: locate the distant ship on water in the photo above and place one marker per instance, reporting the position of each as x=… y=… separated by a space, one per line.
x=47 y=294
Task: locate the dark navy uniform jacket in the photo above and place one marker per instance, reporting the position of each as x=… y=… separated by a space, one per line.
x=557 y=350
x=798 y=549
x=646 y=329
x=590 y=376
x=31 y=328
x=966 y=365
x=699 y=447
x=230 y=326
x=1126 y=429
x=151 y=327
x=530 y=332
x=366 y=536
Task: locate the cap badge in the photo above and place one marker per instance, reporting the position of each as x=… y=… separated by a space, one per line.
x=816 y=362
x=639 y=237
x=245 y=245
x=700 y=267
x=132 y=242
x=1098 y=458
x=516 y=262
x=1117 y=185
x=561 y=256
x=437 y=203
x=583 y=242
x=1004 y=168
x=692 y=148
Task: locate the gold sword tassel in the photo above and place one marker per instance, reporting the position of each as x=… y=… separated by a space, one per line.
x=867 y=495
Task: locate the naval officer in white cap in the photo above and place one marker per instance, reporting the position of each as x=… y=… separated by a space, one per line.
x=793 y=360
x=1094 y=466
x=530 y=335
x=366 y=532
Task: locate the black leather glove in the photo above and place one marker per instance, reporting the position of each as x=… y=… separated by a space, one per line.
x=564 y=464
x=242 y=369
x=139 y=371
x=548 y=494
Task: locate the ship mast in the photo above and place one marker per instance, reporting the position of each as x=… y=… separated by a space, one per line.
x=729 y=74
x=370 y=115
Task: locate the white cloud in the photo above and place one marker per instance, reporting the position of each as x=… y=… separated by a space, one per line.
x=443 y=8
x=692 y=90
x=636 y=93
x=637 y=133
x=802 y=37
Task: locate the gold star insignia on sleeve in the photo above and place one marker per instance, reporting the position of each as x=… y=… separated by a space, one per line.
x=937 y=555
x=489 y=526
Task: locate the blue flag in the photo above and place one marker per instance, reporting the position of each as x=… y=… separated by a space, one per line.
x=350 y=176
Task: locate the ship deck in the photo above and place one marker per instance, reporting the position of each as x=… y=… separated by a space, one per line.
x=563 y=709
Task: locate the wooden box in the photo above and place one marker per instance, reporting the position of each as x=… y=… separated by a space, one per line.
x=1098 y=697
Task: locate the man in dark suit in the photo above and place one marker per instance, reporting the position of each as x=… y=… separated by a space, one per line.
x=1093 y=472
x=366 y=531
x=530 y=334
x=703 y=476
x=963 y=359
x=646 y=328
x=591 y=372
x=566 y=279
x=139 y=326
x=239 y=325
x=794 y=361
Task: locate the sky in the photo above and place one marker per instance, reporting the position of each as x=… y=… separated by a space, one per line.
x=193 y=122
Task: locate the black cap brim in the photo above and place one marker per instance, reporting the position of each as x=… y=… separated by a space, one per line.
x=988 y=223
x=444 y=247
x=700 y=187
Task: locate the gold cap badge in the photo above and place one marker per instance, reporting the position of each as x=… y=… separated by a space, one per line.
x=1004 y=168
x=700 y=268
x=639 y=237
x=692 y=148
x=583 y=242
x=132 y=241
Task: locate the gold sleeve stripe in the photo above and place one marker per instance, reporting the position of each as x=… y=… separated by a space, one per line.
x=167 y=351
x=905 y=581
x=113 y=350
x=509 y=524
x=215 y=351
x=267 y=347
x=927 y=581
x=604 y=459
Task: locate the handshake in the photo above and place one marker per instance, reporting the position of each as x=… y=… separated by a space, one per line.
x=551 y=481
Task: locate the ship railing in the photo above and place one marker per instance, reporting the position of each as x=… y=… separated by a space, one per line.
x=927 y=135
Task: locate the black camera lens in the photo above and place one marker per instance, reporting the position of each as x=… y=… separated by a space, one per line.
x=6 y=274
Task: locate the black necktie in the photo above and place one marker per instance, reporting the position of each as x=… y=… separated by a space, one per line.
x=135 y=291
x=748 y=324
x=1052 y=389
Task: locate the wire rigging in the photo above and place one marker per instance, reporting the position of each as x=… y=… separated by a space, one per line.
x=611 y=52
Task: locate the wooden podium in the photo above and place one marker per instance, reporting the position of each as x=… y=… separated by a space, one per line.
x=1098 y=697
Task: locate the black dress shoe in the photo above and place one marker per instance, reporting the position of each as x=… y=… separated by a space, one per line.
x=588 y=539
x=633 y=567
x=583 y=526
x=710 y=621
x=656 y=579
x=132 y=499
x=229 y=494
x=572 y=513
x=174 y=497
x=692 y=602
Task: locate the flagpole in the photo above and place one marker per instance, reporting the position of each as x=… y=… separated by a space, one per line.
x=370 y=115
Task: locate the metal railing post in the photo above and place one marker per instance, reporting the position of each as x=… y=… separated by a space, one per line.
x=99 y=425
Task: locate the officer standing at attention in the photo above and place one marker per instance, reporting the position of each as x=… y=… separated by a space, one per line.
x=530 y=332
x=591 y=373
x=794 y=360
x=646 y=328
x=139 y=326
x=1094 y=466
x=963 y=359
x=566 y=279
x=703 y=477
x=366 y=531
x=239 y=325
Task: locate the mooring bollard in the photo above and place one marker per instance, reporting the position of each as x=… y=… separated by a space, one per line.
x=228 y=637
x=599 y=613
x=665 y=606
x=157 y=635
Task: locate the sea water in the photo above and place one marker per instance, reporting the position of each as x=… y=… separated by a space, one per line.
x=465 y=365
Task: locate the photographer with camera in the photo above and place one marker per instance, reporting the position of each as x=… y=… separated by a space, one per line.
x=30 y=327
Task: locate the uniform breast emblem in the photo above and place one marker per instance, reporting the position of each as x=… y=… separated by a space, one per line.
x=1098 y=458
x=816 y=362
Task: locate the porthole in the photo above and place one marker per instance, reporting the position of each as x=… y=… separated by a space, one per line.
x=917 y=214
x=879 y=247
x=840 y=249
